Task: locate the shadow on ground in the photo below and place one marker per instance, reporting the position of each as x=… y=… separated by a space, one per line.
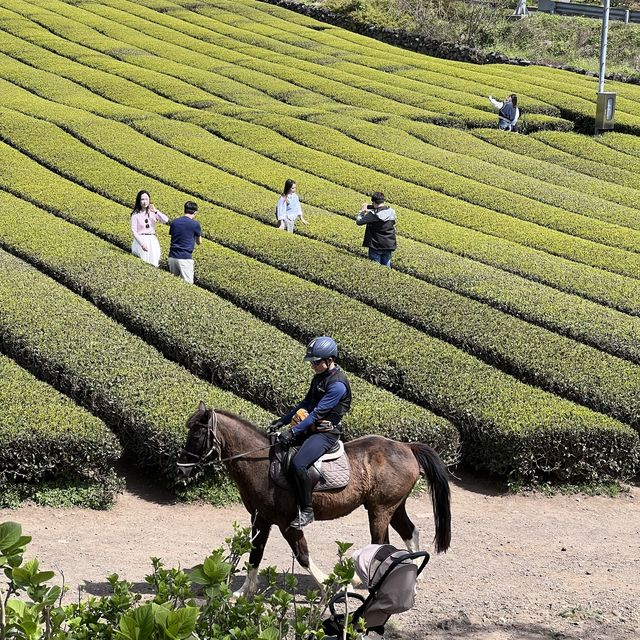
x=142 y=483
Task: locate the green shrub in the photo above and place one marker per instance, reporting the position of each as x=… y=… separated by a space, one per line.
x=236 y=352
x=621 y=142
x=466 y=242
x=534 y=148
x=68 y=342
x=428 y=201
x=414 y=364
x=44 y=436
x=96 y=493
x=590 y=149
x=183 y=605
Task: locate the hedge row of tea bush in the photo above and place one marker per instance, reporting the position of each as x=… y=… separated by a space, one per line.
x=601 y=286
x=41 y=81
x=610 y=337
x=236 y=352
x=494 y=186
x=269 y=78
x=479 y=80
x=111 y=71
x=266 y=70
x=443 y=206
x=407 y=299
x=464 y=154
x=449 y=106
x=531 y=83
x=227 y=236
x=530 y=147
x=589 y=149
x=242 y=85
x=433 y=200
x=513 y=159
x=64 y=340
x=621 y=142
x=578 y=85
x=594 y=284
x=45 y=436
x=431 y=377
x=398 y=190
x=260 y=29
x=539 y=356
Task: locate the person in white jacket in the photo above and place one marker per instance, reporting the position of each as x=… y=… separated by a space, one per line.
x=508 y=113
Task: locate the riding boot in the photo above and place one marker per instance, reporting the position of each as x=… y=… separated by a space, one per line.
x=303 y=488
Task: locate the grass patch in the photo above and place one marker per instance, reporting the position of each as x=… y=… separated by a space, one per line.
x=65 y=493
x=608 y=489
x=216 y=489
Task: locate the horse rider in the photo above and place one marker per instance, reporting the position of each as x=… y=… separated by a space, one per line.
x=326 y=402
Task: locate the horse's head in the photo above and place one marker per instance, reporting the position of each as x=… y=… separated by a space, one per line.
x=203 y=440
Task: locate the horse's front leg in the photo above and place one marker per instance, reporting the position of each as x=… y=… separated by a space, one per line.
x=260 y=529
x=298 y=544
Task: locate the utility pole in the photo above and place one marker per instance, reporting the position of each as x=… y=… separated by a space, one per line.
x=606 y=102
x=603 y=44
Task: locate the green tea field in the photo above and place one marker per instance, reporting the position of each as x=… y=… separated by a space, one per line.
x=507 y=334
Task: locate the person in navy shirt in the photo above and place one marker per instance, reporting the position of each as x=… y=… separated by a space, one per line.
x=185 y=233
x=326 y=402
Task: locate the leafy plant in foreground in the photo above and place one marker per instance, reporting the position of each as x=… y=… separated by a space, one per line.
x=30 y=609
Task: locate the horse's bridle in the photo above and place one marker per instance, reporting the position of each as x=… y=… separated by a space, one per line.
x=213 y=444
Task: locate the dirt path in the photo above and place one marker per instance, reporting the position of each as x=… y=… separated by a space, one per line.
x=520 y=567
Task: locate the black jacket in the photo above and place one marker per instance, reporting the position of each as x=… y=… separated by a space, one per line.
x=380 y=231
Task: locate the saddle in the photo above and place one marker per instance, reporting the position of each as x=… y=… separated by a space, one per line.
x=330 y=471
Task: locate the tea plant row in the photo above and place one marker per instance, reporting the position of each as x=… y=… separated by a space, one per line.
x=556 y=363
x=45 y=437
x=144 y=398
x=237 y=352
x=425 y=200
x=415 y=355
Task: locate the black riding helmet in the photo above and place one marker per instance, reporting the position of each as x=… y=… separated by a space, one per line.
x=321 y=348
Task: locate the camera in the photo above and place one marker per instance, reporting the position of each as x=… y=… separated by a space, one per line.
x=370 y=206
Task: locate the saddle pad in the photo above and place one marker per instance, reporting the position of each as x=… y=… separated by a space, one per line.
x=333 y=474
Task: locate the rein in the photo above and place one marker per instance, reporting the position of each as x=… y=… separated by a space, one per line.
x=241 y=455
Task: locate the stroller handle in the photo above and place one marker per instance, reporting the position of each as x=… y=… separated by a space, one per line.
x=412 y=556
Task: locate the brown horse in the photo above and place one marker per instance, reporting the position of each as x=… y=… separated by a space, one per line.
x=383 y=472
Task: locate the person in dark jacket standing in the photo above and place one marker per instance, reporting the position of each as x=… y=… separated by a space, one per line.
x=316 y=420
x=380 y=231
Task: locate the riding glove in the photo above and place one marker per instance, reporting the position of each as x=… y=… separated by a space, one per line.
x=275 y=425
x=285 y=438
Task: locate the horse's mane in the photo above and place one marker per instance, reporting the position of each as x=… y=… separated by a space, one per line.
x=243 y=421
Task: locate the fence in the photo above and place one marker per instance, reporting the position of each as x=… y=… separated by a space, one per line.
x=588 y=10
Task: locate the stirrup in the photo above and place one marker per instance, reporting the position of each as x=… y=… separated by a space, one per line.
x=303 y=518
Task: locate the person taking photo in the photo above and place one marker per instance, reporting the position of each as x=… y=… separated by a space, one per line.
x=380 y=232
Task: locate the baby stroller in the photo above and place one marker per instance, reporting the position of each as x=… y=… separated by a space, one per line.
x=390 y=576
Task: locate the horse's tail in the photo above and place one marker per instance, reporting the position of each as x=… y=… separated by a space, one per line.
x=436 y=473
